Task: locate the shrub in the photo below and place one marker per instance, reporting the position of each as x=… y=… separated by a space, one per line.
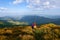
x=38 y=34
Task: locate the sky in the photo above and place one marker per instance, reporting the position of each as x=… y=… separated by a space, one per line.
x=29 y=7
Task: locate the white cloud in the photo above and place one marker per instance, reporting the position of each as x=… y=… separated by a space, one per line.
x=17 y=1
x=3 y=9
x=33 y=4
x=39 y=4
x=47 y=3
x=54 y=6
x=29 y=6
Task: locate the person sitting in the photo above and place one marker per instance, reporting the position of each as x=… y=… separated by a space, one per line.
x=33 y=25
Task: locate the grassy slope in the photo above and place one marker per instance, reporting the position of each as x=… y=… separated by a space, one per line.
x=44 y=32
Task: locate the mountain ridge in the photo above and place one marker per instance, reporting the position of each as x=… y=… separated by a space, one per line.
x=31 y=19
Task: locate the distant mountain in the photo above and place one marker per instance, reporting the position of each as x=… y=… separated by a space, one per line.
x=10 y=18
x=6 y=18
x=39 y=20
x=31 y=19
x=52 y=16
x=57 y=21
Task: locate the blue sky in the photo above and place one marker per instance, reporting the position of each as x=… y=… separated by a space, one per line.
x=29 y=7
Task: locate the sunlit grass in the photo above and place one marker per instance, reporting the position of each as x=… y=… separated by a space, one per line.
x=44 y=32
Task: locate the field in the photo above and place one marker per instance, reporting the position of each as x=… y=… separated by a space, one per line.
x=43 y=32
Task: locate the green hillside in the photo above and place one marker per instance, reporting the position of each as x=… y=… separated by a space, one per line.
x=44 y=32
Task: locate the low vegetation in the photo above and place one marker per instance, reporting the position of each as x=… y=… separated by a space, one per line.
x=44 y=32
